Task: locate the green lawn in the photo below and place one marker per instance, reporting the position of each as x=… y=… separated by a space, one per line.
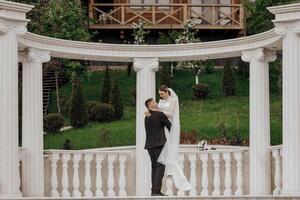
x=201 y=116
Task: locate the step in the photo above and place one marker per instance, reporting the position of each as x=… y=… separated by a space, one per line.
x=169 y=198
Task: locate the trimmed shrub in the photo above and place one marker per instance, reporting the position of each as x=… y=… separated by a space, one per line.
x=78 y=112
x=106 y=89
x=53 y=123
x=229 y=82
x=67 y=145
x=102 y=112
x=89 y=106
x=116 y=101
x=200 y=90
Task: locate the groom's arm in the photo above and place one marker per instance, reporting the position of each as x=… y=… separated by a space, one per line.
x=165 y=121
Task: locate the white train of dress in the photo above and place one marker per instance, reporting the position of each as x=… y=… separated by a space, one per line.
x=169 y=154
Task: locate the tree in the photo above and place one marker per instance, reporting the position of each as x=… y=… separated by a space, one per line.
x=116 y=100
x=139 y=32
x=229 y=83
x=106 y=88
x=165 y=75
x=78 y=111
x=189 y=35
x=259 y=18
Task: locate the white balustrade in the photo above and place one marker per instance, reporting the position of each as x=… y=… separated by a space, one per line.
x=65 y=178
x=122 y=179
x=105 y=173
x=54 y=158
x=76 y=159
x=217 y=182
x=85 y=172
x=111 y=181
x=276 y=154
x=87 y=178
x=204 y=159
x=99 y=160
x=228 y=180
x=239 y=175
x=192 y=158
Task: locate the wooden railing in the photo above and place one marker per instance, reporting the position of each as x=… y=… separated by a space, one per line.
x=165 y=16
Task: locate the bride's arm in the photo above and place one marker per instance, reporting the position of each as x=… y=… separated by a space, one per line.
x=170 y=112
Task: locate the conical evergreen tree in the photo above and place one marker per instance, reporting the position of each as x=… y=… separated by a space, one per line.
x=78 y=111
x=116 y=100
x=106 y=89
x=165 y=75
x=229 y=82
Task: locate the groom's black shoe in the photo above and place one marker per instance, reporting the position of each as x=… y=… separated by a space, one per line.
x=158 y=194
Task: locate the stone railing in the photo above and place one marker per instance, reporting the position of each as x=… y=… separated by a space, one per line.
x=111 y=172
x=276 y=152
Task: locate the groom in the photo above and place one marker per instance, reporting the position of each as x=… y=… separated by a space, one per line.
x=155 y=140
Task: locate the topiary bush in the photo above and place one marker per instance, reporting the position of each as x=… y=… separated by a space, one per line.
x=200 y=90
x=67 y=145
x=78 y=112
x=89 y=106
x=116 y=101
x=102 y=112
x=228 y=82
x=53 y=123
x=106 y=89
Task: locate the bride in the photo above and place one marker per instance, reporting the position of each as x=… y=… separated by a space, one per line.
x=169 y=105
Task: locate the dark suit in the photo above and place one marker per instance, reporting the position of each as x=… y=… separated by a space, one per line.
x=155 y=140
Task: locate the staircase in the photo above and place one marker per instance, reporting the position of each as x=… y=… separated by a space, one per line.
x=49 y=85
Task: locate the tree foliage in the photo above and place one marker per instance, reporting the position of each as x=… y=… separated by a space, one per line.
x=259 y=19
x=78 y=111
x=106 y=88
x=116 y=100
x=229 y=83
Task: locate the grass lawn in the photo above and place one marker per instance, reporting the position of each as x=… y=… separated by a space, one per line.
x=201 y=116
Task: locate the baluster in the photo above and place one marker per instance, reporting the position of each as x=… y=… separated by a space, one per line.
x=181 y=192
x=87 y=178
x=239 y=175
x=65 y=178
x=99 y=159
x=192 y=158
x=76 y=159
x=228 y=181
x=277 y=178
x=204 y=159
x=169 y=186
x=110 y=181
x=122 y=178
x=217 y=182
x=54 y=158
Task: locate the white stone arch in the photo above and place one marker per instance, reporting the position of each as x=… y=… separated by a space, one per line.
x=258 y=50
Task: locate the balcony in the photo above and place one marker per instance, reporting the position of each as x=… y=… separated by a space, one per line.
x=167 y=16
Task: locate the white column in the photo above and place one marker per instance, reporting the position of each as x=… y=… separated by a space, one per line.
x=32 y=121
x=260 y=160
x=12 y=24
x=145 y=88
x=287 y=24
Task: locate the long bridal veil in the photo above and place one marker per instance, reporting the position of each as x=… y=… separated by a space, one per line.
x=169 y=154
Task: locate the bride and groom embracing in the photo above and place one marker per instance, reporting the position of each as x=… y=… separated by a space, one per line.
x=162 y=126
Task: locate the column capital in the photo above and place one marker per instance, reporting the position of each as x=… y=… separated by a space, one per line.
x=287 y=18
x=145 y=63
x=13 y=17
x=35 y=56
x=260 y=54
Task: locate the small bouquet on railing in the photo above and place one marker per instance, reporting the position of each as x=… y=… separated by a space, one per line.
x=202 y=146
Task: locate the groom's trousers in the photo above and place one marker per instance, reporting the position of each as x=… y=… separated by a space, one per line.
x=158 y=169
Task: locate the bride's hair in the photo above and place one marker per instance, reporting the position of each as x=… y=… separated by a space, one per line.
x=164 y=88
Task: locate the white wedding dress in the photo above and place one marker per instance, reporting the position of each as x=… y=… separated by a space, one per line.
x=169 y=154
